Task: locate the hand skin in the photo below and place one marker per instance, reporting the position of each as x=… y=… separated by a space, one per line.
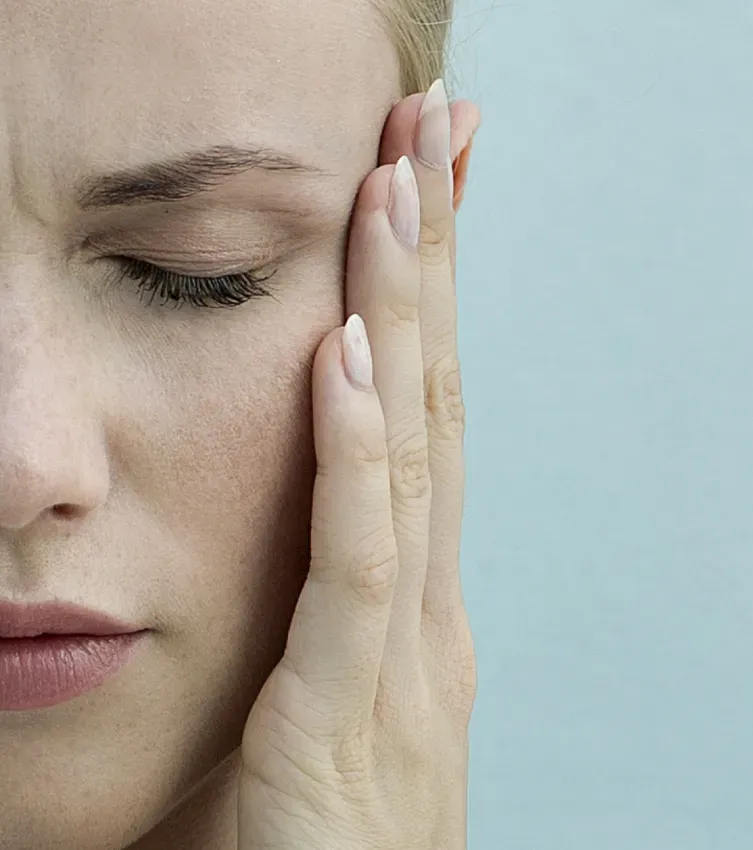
x=358 y=740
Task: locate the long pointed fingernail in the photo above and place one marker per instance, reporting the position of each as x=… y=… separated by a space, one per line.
x=359 y=367
x=433 y=135
x=404 y=205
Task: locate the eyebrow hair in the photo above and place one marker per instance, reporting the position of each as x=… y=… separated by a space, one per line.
x=181 y=177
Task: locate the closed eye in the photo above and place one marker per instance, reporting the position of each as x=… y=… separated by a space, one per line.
x=223 y=291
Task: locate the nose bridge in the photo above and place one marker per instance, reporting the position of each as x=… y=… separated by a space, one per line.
x=52 y=446
x=33 y=350
x=51 y=452
x=34 y=312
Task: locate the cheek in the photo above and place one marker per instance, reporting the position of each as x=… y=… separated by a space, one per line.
x=216 y=446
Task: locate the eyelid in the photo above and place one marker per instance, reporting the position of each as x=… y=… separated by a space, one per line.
x=204 y=262
x=203 y=266
x=259 y=255
x=229 y=235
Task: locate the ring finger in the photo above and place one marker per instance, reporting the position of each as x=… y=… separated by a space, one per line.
x=387 y=295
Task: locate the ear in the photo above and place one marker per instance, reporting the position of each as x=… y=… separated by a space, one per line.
x=465 y=121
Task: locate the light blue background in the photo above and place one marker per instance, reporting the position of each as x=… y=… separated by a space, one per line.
x=606 y=334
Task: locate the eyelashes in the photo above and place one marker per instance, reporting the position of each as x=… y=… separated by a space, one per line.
x=200 y=292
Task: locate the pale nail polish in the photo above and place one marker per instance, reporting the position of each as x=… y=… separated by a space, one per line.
x=357 y=360
x=433 y=134
x=404 y=206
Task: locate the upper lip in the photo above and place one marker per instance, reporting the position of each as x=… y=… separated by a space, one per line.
x=57 y=618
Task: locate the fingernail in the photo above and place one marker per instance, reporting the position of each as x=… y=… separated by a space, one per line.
x=433 y=136
x=357 y=360
x=404 y=206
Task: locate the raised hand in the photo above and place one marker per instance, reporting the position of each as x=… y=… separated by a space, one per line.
x=359 y=737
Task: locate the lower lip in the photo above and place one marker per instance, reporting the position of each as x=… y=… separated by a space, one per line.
x=43 y=671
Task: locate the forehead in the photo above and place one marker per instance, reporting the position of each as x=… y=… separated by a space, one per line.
x=115 y=82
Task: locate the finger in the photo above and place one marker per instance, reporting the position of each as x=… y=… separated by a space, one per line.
x=460 y=178
x=398 y=136
x=338 y=630
x=384 y=281
x=445 y=414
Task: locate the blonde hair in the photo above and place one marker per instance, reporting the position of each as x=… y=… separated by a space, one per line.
x=420 y=31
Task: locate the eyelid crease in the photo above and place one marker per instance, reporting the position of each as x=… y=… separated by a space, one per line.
x=260 y=256
x=203 y=266
x=231 y=228
x=198 y=259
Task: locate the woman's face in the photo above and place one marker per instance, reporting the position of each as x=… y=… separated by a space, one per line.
x=155 y=463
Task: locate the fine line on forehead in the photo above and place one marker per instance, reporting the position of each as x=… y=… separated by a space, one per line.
x=183 y=176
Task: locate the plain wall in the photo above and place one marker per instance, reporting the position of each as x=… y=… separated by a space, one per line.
x=606 y=338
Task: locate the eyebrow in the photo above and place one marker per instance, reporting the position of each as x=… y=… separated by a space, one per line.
x=182 y=177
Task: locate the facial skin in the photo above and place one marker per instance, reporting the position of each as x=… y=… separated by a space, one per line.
x=157 y=464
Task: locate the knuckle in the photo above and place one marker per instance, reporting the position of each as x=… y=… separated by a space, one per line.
x=400 y=313
x=352 y=755
x=409 y=471
x=372 y=570
x=368 y=447
x=433 y=244
x=443 y=396
x=369 y=568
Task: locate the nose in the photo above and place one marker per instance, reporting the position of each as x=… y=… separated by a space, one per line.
x=53 y=460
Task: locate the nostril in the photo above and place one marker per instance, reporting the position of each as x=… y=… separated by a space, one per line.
x=66 y=511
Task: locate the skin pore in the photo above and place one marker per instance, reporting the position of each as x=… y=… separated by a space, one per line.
x=155 y=463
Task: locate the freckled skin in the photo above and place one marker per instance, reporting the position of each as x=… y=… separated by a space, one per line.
x=180 y=439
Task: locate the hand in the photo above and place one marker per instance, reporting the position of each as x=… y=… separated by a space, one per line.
x=358 y=740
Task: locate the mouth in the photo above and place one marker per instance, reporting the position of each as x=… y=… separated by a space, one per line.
x=51 y=636
x=33 y=620
x=47 y=669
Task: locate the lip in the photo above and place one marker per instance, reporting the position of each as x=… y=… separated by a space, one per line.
x=40 y=672
x=57 y=618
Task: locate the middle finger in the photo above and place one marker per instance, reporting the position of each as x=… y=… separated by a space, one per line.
x=384 y=283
